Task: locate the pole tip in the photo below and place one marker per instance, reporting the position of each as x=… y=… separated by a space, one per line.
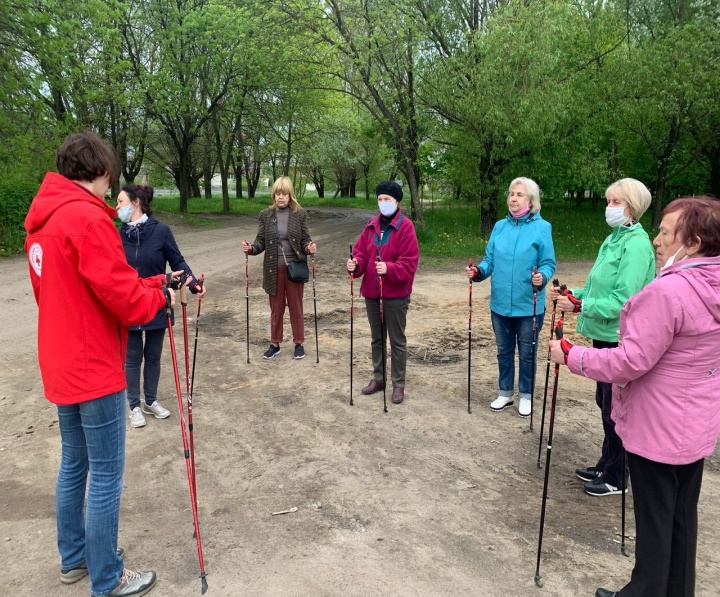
x=204 y=587
x=624 y=551
x=538 y=581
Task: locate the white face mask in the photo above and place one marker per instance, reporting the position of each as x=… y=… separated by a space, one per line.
x=387 y=208
x=615 y=216
x=125 y=213
x=670 y=261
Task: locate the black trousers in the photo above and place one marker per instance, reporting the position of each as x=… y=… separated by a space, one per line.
x=395 y=317
x=610 y=463
x=666 y=525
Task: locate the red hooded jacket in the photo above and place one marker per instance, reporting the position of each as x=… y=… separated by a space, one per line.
x=86 y=292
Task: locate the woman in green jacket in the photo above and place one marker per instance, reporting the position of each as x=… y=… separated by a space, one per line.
x=625 y=264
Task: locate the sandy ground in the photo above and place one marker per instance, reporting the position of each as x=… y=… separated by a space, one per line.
x=424 y=500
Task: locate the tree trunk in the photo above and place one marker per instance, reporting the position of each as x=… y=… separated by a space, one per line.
x=412 y=175
x=207 y=177
x=714 y=157
x=366 y=176
x=195 y=187
x=183 y=180
x=660 y=182
x=579 y=196
x=488 y=208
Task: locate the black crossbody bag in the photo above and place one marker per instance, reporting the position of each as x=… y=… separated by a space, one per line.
x=297 y=271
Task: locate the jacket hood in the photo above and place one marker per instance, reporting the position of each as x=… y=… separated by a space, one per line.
x=142 y=230
x=55 y=191
x=703 y=276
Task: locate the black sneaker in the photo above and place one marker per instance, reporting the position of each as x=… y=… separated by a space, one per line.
x=599 y=488
x=587 y=474
x=271 y=352
x=299 y=351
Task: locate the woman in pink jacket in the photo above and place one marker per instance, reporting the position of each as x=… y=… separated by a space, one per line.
x=666 y=404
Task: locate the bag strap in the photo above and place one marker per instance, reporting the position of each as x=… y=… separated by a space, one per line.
x=279 y=242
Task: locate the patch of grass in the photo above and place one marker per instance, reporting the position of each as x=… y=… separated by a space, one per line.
x=246 y=206
x=577 y=232
x=450 y=231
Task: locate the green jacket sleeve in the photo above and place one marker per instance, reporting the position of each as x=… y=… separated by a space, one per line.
x=635 y=270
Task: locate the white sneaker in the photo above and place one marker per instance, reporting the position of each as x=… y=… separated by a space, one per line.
x=156 y=409
x=136 y=418
x=524 y=407
x=501 y=403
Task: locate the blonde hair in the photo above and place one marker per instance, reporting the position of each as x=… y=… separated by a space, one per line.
x=284 y=184
x=531 y=188
x=634 y=193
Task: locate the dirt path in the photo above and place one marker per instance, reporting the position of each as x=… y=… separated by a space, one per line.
x=423 y=500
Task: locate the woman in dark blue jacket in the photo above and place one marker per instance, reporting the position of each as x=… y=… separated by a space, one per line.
x=149 y=245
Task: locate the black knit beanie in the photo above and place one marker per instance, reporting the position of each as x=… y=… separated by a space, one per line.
x=389 y=187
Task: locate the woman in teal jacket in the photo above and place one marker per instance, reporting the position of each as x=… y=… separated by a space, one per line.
x=625 y=264
x=521 y=259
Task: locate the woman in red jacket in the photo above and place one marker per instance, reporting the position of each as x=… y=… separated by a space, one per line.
x=87 y=295
x=387 y=248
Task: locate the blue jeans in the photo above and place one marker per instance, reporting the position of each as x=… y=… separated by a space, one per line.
x=93 y=440
x=509 y=332
x=151 y=352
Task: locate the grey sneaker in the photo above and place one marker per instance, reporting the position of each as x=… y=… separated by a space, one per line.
x=299 y=352
x=70 y=575
x=156 y=409
x=133 y=583
x=136 y=418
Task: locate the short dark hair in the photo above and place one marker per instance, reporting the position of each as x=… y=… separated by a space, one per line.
x=85 y=156
x=699 y=217
x=143 y=193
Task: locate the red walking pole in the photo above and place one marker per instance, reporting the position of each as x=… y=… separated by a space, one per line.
x=382 y=336
x=470 y=285
x=186 y=451
x=352 y=318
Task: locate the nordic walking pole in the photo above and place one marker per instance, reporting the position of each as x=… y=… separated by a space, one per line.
x=470 y=286
x=623 y=547
x=534 y=355
x=186 y=451
x=382 y=336
x=551 y=425
x=352 y=317
x=555 y=283
x=183 y=303
x=247 y=306
x=312 y=265
x=200 y=283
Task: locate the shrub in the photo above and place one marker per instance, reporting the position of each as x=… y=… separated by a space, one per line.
x=15 y=198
